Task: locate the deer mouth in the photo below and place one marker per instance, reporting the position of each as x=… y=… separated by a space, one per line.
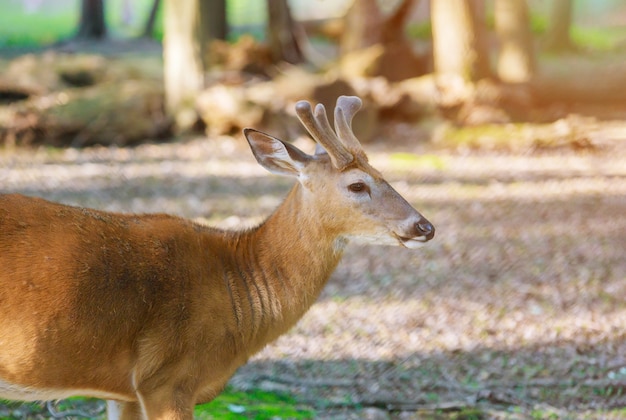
x=421 y=232
x=414 y=242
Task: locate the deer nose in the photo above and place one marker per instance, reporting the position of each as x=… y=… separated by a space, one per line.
x=425 y=228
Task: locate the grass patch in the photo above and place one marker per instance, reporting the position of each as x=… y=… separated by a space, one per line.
x=52 y=22
x=230 y=405
x=34 y=29
x=76 y=407
x=255 y=404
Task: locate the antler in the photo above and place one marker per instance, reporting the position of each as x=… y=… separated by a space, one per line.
x=337 y=145
x=346 y=107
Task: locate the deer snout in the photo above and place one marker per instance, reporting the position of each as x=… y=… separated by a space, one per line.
x=418 y=232
x=425 y=228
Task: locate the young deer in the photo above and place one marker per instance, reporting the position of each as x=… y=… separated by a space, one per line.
x=155 y=312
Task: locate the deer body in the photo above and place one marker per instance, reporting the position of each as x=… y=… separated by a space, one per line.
x=151 y=296
x=157 y=312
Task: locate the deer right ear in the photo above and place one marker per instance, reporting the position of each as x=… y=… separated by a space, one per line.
x=275 y=155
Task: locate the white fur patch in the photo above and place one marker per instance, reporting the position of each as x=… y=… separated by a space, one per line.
x=281 y=158
x=415 y=243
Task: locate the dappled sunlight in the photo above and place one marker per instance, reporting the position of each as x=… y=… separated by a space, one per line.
x=521 y=191
x=361 y=328
x=189 y=181
x=523 y=282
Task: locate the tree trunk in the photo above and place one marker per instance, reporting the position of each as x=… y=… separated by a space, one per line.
x=516 y=63
x=558 y=37
x=213 y=19
x=479 y=20
x=377 y=43
x=183 y=70
x=149 y=25
x=457 y=38
x=281 y=33
x=92 y=24
x=394 y=25
x=363 y=25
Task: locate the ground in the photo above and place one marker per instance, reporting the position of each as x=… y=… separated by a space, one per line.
x=515 y=310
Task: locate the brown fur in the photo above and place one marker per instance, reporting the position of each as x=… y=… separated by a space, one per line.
x=150 y=295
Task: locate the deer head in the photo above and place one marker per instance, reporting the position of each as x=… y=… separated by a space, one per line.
x=341 y=189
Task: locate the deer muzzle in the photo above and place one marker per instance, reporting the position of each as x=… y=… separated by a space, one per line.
x=421 y=231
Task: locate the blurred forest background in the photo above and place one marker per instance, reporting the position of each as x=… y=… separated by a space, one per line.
x=121 y=72
x=502 y=121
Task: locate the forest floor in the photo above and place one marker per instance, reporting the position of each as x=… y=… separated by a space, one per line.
x=517 y=308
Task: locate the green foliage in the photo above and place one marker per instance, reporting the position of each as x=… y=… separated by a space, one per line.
x=246 y=17
x=56 y=21
x=421 y=30
x=598 y=38
x=538 y=23
x=28 y=30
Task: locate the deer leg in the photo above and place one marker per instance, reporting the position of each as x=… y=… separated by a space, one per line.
x=118 y=410
x=163 y=399
x=161 y=405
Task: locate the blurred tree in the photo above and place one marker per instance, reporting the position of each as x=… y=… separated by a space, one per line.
x=516 y=61
x=91 y=24
x=281 y=33
x=459 y=38
x=148 y=28
x=128 y=13
x=213 y=21
x=367 y=26
x=558 y=37
x=187 y=32
x=363 y=24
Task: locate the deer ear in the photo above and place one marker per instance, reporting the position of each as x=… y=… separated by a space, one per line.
x=275 y=155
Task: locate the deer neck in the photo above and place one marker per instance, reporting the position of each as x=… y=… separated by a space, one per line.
x=288 y=260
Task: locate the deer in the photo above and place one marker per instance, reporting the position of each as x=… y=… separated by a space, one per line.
x=153 y=312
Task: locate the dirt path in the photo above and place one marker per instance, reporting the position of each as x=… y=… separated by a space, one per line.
x=518 y=302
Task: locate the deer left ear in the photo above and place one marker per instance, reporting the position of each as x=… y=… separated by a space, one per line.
x=275 y=155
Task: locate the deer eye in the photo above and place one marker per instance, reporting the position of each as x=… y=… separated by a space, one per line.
x=358 y=187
